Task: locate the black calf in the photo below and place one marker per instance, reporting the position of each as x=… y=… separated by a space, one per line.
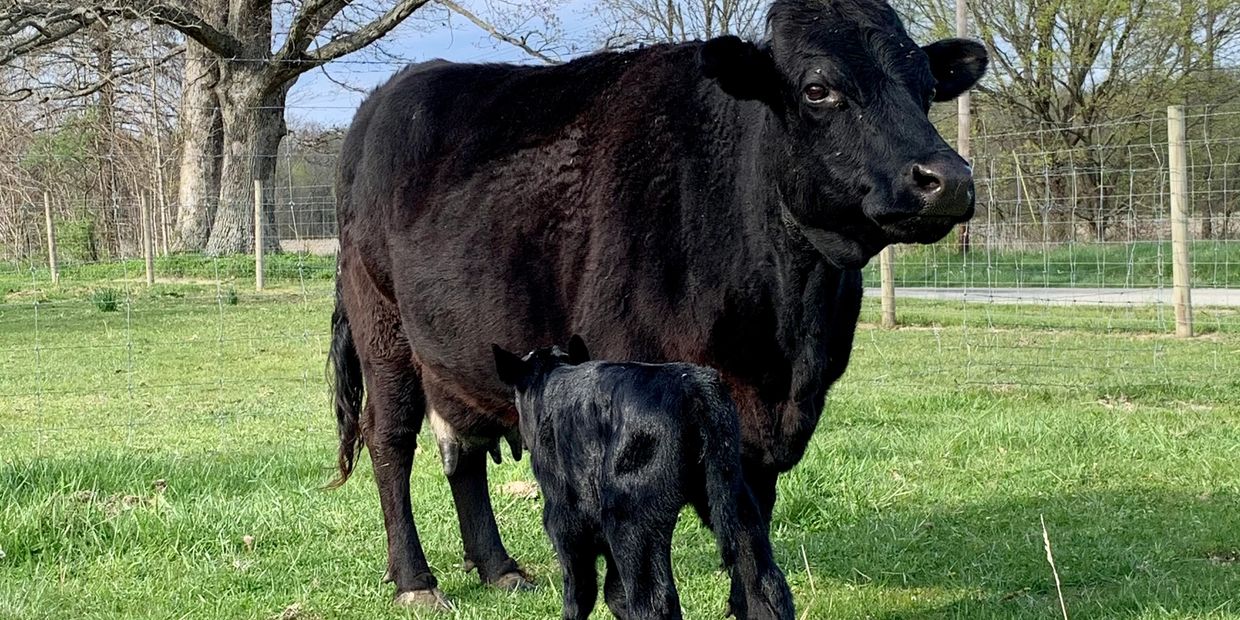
x=619 y=449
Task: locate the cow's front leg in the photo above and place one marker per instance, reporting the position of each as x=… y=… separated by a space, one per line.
x=483 y=548
x=761 y=480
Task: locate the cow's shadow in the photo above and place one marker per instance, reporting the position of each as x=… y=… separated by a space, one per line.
x=1118 y=551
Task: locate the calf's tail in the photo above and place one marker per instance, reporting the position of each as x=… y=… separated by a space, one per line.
x=345 y=370
x=759 y=589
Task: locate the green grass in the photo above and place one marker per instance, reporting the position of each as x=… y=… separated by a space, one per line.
x=920 y=496
x=1114 y=264
x=176 y=275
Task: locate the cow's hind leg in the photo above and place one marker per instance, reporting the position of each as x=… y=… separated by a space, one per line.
x=394 y=410
x=391 y=419
x=484 y=549
x=465 y=463
x=761 y=481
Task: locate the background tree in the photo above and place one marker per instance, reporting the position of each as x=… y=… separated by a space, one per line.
x=89 y=122
x=1074 y=68
x=241 y=59
x=638 y=22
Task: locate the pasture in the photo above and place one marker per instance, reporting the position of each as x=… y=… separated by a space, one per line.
x=164 y=460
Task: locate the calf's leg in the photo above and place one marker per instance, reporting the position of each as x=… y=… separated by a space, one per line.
x=577 y=554
x=643 y=558
x=613 y=589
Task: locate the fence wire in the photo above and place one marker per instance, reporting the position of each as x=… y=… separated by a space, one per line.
x=1061 y=283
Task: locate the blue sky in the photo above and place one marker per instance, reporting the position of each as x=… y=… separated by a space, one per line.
x=315 y=98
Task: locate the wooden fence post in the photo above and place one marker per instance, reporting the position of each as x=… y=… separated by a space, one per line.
x=52 y=262
x=148 y=244
x=1181 y=268
x=886 y=267
x=258 y=235
x=163 y=220
x=964 y=123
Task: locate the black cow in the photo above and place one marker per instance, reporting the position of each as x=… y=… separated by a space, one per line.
x=703 y=202
x=618 y=449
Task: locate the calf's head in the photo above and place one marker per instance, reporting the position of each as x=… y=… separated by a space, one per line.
x=523 y=373
x=850 y=151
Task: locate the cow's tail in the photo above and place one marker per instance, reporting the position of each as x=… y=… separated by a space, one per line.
x=345 y=370
x=759 y=589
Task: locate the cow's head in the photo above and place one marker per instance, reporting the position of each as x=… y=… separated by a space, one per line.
x=856 y=162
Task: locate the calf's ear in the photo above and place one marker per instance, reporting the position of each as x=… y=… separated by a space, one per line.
x=742 y=69
x=957 y=64
x=577 y=351
x=511 y=369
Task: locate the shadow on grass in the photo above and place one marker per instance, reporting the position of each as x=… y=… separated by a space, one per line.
x=1119 y=552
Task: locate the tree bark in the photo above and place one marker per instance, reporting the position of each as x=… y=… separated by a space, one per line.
x=251 y=102
x=201 y=147
x=253 y=127
x=109 y=209
x=202 y=131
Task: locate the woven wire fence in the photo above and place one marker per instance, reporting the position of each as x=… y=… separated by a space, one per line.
x=1065 y=276
x=1063 y=281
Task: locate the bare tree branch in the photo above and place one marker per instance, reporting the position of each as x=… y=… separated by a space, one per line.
x=175 y=15
x=54 y=21
x=308 y=23
x=361 y=37
x=111 y=78
x=521 y=43
x=40 y=25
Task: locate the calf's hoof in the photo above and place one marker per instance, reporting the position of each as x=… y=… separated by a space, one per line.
x=424 y=599
x=514 y=581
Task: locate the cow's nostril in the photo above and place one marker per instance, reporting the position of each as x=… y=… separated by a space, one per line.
x=927 y=180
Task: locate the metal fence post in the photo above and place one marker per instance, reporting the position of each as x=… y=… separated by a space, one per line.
x=886 y=267
x=1181 y=268
x=258 y=235
x=52 y=261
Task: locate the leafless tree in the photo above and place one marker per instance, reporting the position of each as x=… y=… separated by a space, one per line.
x=638 y=22
x=1076 y=67
x=241 y=57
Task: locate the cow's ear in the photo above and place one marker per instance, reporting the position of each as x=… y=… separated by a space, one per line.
x=957 y=64
x=512 y=371
x=742 y=69
x=577 y=351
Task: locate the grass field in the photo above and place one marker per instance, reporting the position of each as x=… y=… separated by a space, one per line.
x=1216 y=264
x=164 y=461
x=1114 y=264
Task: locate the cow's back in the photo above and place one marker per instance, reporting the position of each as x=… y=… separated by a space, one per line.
x=509 y=204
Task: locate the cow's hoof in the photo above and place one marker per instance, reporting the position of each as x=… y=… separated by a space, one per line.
x=425 y=599
x=515 y=581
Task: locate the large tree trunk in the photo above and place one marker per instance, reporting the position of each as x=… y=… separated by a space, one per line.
x=202 y=142
x=251 y=96
x=110 y=200
x=253 y=128
x=201 y=146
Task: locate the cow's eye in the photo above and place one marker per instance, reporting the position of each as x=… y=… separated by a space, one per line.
x=818 y=94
